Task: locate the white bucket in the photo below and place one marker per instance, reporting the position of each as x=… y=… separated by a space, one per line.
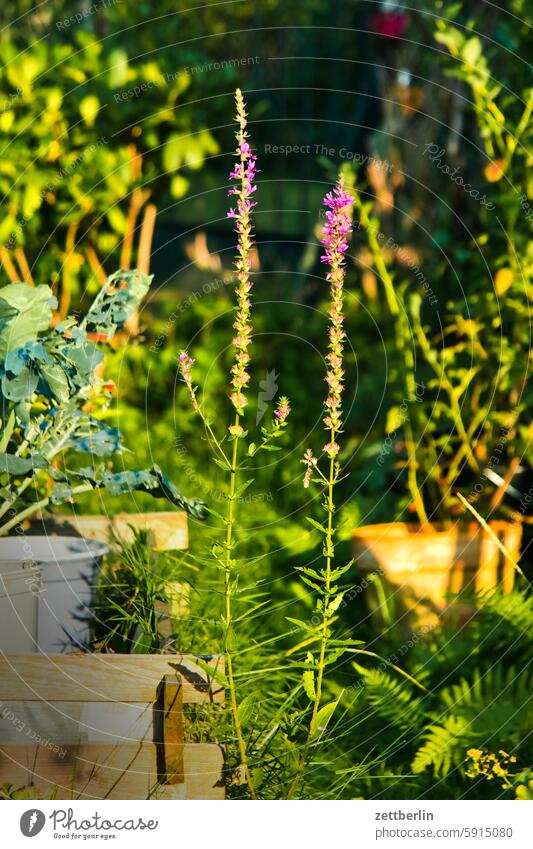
x=69 y=566
x=19 y=604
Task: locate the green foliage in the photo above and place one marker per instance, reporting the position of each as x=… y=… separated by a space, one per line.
x=524 y=791
x=444 y=747
x=47 y=377
x=137 y=599
x=391 y=698
x=478 y=680
x=87 y=129
x=492 y=706
x=461 y=324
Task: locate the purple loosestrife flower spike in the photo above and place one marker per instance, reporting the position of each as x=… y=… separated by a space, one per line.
x=244 y=174
x=185 y=364
x=335 y=237
x=337 y=231
x=282 y=410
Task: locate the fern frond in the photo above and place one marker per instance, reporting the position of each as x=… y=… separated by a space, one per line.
x=493 y=709
x=497 y=702
x=444 y=746
x=514 y=610
x=391 y=698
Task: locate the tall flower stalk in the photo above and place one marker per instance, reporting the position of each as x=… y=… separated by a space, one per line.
x=243 y=174
x=244 y=188
x=336 y=233
x=234 y=460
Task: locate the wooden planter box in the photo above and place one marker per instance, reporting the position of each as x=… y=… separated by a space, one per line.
x=108 y=726
x=421 y=565
x=166 y=531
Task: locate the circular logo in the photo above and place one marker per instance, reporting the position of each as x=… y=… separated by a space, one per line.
x=32 y=822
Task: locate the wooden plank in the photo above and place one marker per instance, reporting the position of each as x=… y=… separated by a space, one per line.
x=105 y=678
x=90 y=527
x=87 y=772
x=167 y=531
x=204 y=764
x=123 y=772
x=76 y=723
x=172 y=730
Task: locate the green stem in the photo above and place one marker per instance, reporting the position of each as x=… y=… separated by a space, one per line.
x=410 y=442
x=453 y=470
x=447 y=385
x=212 y=434
x=228 y=592
x=523 y=124
x=412 y=477
x=326 y=599
x=38 y=505
x=18 y=492
x=381 y=266
x=371 y=230
x=215 y=440
x=25 y=483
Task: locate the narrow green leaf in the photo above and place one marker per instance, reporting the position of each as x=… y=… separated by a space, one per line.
x=241 y=489
x=310 y=583
x=312 y=573
x=340 y=571
x=250 y=612
x=303 y=625
x=334 y=604
x=216 y=674
x=246 y=708
x=143 y=643
x=323 y=717
x=317 y=525
x=308 y=679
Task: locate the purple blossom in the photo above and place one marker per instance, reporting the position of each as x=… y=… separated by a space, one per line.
x=244 y=173
x=338 y=227
x=310 y=461
x=185 y=364
x=282 y=410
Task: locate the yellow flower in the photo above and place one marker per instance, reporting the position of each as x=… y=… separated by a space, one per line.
x=54 y=151
x=502 y=281
x=494 y=171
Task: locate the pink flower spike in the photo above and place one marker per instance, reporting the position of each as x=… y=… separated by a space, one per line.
x=331 y=449
x=310 y=462
x=283 y=409
x=337 y=230
x=236 y=430
x=185 y=364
